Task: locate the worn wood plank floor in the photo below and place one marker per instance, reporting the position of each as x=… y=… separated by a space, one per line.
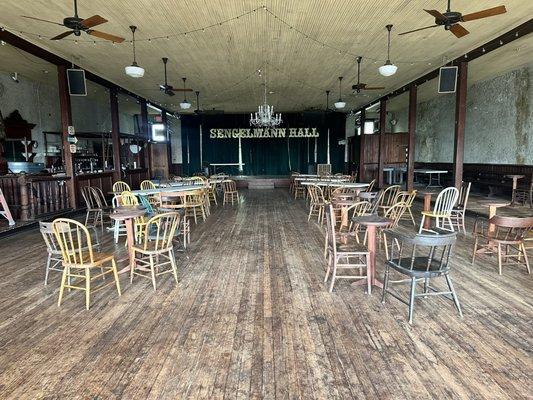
x=251 y=318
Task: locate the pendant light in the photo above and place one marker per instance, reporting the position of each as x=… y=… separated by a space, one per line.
x=388 y=68
x=134 y=70
x=340 y=104
x=184 y=105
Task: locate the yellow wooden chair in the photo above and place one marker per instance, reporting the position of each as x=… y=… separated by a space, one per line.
x=79 y=260
x=149 y=185
x=120 y=186
x=156 y=254
x=129 y=199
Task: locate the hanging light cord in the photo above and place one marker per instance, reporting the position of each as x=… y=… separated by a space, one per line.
x=134 y=54
x=389 y=27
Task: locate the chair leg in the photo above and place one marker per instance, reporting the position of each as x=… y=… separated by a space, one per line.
x=152 y=270
x=115 y=274
x=173 y=265
x=411 y=215
x=475 y=249
x=499 y=259
x=454 y=295
x=62 y=287
x=368 y=277
x=87 y=288
x=422 y=223
x=385 y=284
x=412 y=300
x=328 y=269
x=48 y=263
x=525 y=257
x=311 y=208
x=333 y=274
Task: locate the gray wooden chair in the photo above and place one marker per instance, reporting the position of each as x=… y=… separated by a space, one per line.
x=419 y=257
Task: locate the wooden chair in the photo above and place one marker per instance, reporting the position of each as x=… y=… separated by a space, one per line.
x=147 y=185
x=420 y=257
x=408 y=198
x=317 y=203
x=344 y=256
x=119 y=187
x=387 y=197
x=119 y=228
x=370 y=185
x=524 y=195
x=195 y=204
x=177 y=203
x=442 y=211
x=79 y=260
x=129 y=199
x=299 y=190
x=212 y=193
x=54 y=259
x=459 y=210
x=230 y=192
x=356 y=210
x=156 y=255
x=94 y=213
x=507 y=240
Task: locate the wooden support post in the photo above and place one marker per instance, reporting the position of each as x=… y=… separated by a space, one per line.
x=164 y=119
x=411 y=139
x=460 y=117
x=115 y=134
x=381 y=153
x=145 y=133
x=362 y=147
x=66 y=121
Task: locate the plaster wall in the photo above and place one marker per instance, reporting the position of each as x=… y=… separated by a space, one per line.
x=499 y=122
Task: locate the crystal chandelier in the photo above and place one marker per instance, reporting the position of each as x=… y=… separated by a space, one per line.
x=265 y=117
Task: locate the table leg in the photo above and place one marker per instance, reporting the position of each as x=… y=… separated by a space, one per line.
x=344 y=216
x=371 y=244
x=427 y=207
x=515 y=184
x=130 y=235
x=492 y=213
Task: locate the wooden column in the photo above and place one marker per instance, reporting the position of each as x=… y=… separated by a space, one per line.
x=381 y=153
x=145 y=132
x=411 y=140
x=460 y=117
x=362 y=147
x=66 y=121
x=115 y=134
x=164 y=118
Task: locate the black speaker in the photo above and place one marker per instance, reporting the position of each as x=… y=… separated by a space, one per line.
x=76 y=82
x=447 y=79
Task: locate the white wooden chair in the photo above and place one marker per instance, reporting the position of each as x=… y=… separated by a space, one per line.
x=442 y=211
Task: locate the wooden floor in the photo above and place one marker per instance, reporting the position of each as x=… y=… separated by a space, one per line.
x=251 y=318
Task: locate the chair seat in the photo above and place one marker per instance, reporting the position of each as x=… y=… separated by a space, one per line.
x=496 y=237
x=351 y=248
x=435 y=215
x=420 y=267
x=98 y=259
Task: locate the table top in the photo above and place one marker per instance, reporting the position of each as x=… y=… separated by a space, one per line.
x=372 y=220
x=512 y=176
x=127 y=212
x=321 y=179
x=337 y=184
x=431 y=171
x=494 y=203
x=172 y=189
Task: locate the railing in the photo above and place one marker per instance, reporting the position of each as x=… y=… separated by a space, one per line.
x=32 y=196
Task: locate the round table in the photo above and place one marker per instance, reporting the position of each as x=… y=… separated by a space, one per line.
x=515 y=179
x=372 y=222
x=493 y=205
x=344 y=205
x=127 y=214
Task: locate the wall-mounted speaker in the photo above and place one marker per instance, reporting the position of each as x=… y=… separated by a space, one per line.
x=76 y=82
x=448 y=79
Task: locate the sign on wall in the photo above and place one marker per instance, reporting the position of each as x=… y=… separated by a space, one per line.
x=260 y=133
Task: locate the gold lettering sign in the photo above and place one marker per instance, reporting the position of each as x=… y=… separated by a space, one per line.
x=259 y=133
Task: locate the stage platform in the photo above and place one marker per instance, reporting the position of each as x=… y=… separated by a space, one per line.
x=261 y=181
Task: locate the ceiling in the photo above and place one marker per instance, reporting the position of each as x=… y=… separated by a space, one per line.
x=302 y=46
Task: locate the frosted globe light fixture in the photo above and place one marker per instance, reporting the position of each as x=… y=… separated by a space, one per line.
x=339 y=103
x=134 y=70
x=184 y=105
x=388 y=68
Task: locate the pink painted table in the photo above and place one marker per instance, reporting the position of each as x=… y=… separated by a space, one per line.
x=127 y=214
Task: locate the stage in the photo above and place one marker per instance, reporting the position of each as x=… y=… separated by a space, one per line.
x=261 y=181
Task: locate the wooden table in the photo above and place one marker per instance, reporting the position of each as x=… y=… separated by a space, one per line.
x=427 y=206
x=344 y=205
x=127 y=214
x=493 y=205
x=372 y=222
x=432 y=172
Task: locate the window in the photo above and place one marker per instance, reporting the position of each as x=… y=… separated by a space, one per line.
x=159 y=133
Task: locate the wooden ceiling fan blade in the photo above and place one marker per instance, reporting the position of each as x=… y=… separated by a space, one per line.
x=436 y=14
x=106 y=36
x=458 y=30
x=42 y=20
x=419 y=29
x=489 y=12
x=182 y=90
x=62 y=35
x=93 y=21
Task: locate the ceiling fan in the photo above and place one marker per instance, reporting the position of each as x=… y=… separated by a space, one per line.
x=78 y=25
x=169 y=89
x=450 y=19
x=362 y=86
